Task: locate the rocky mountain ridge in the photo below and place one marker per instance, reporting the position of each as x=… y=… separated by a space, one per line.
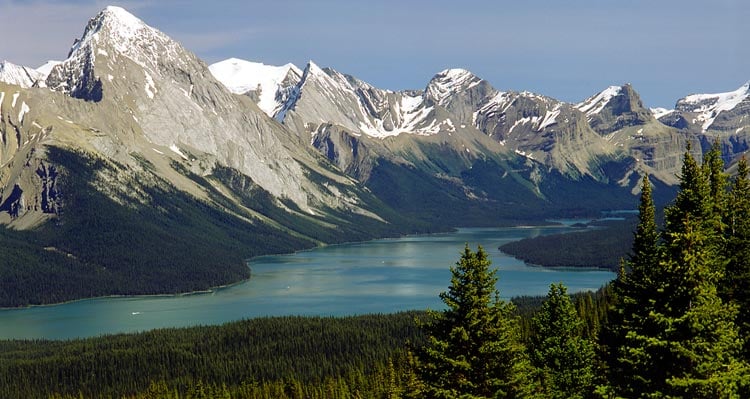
x=611 y=124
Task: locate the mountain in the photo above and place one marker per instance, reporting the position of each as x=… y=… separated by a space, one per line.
x=356 y=125
x=19 y=75
x=717 y=116
x=714 y=111
x=615 y=108
x=137 y=172
x=611 y=137
x=132 y=167
x=269 y=86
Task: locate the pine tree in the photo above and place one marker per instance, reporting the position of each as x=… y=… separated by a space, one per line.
x=559 y=351
x=678 y=337
x=702 y=340
x=735 y=286
x=473 y=347
x=693 y=198
x=630 y=354
x=717 y=179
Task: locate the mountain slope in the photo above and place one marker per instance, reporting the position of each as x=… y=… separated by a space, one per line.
x=137 y=153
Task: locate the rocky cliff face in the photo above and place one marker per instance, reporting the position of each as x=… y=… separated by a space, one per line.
x=719 y=116
x=131 y=95
x=615 y=108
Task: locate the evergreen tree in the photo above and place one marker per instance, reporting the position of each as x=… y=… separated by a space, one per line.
x=699 y=332
x=678 y=337
x=630 y=355
x=473 y=348
x=713 y=166
x=559 y=351
x=735 y=287
x=693 y=198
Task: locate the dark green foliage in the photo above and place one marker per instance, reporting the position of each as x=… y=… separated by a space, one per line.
x=600 y=247
x=473 y=349
x=246 y=358
x=559 y=350
x=174 y=243
x=636 y=294
x=99 y=247
x=670 y=334
x=735 y=287
x=485 y=195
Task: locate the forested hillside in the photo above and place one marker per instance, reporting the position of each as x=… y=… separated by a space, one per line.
x=673 y=324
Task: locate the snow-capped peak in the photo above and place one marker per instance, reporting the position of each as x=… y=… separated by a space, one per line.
x=659 y=112
x=127 y=35
x=46 y=68
x=708 y=106
x=122 y=25
x=450 y=81
x=313 y=68
x=594 y=104
x=110 y=39
x=241 y=76
x=18 y=75
x=732 y=96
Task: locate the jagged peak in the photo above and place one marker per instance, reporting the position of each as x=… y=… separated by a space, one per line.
x=116 y=29
x=328 y=78
x=594 y=104
x=121 y=24
x=313 y=68
x=456 y=77
x=448 y=82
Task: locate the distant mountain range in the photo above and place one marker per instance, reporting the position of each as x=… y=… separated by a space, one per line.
x=132 y=146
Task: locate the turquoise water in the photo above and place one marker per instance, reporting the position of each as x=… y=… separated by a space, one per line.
x=378 y=276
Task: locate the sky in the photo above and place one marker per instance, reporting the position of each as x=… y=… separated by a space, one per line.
x=569 y=49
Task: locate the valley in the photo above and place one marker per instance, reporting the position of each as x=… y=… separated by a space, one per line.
x=132 y=147
x=185 y=213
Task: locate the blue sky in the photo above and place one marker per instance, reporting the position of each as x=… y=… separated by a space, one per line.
x=564 y=49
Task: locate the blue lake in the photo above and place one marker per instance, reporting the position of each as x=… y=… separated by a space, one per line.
x=379 y=276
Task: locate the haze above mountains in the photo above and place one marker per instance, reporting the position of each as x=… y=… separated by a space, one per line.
x=132 y=143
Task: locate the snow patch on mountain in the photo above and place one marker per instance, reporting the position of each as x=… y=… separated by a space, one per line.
x=659 y=112
x=46 y=68
x=241 y=77
x=448 y=82
x=24 y=109
x=19 y=75
x=709 y=106
x=549 y=118
x=594 y=104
